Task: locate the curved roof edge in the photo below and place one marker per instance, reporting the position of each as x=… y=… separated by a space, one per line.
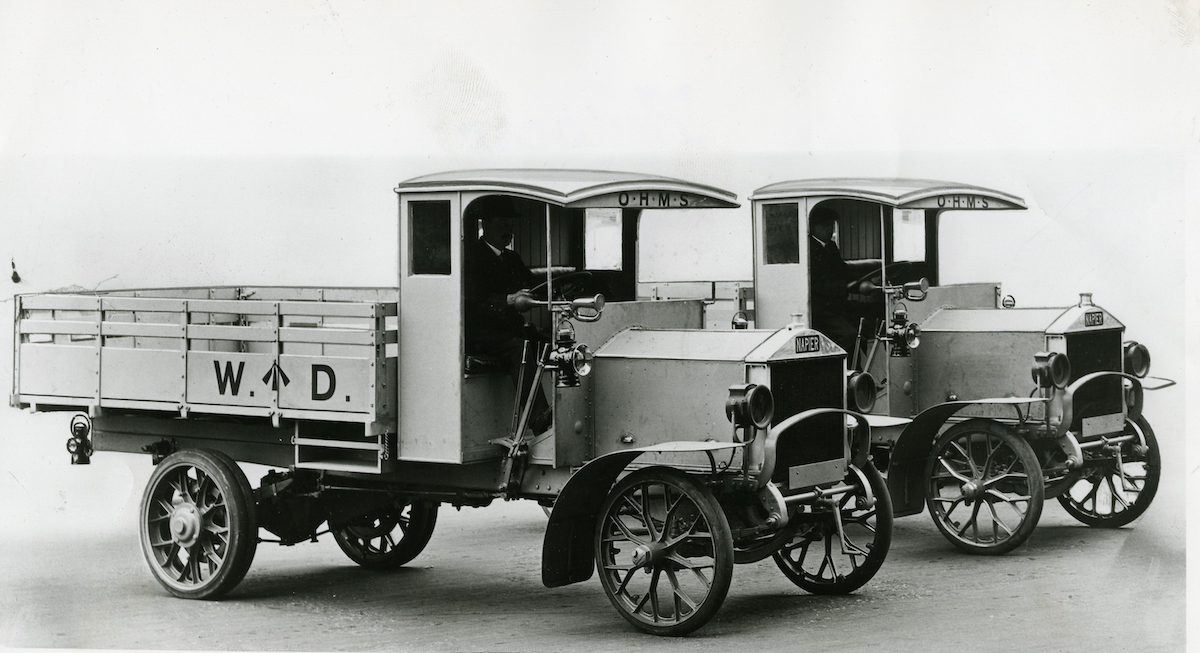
x=897 y=192
x=563 y=186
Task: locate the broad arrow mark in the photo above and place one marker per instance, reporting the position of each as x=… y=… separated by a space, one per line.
x=274 y=374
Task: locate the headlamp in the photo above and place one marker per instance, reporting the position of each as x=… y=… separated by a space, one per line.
x=1137 y=359
x=861 y=392
x=912 y=336
x=904 y=335
x=750 y=404
x=581 y=360
x=571 y=362
x=1051 y=369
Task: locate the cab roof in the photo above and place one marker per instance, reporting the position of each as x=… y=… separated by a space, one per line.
x=563 y=186
x=896 y=192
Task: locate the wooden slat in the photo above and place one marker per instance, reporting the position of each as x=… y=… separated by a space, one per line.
x=338 y=467
x=340 y=444
x=55 y=400
x=328 y=336
x=170 y=406
x=326 y=415
x=235 y=307
x=221 y=332
x=337 y=309
x=218 y=409
x=60 y=302
x=144 y=304
x=59 y=327
x=150 y=329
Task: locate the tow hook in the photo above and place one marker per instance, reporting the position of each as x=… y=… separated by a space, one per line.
x=79 y=445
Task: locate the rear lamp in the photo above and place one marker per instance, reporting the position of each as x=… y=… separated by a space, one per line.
x=860 y=392
x=750 y=404
x=1137 y=359
x=1051 y=369
x=79 y=445
x=80 y=428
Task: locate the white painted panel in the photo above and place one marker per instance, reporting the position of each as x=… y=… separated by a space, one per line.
x=59 y=370
x=780 y=289
x=327 y=383
x=230 y=378
x=146 y=374
x=430 y=352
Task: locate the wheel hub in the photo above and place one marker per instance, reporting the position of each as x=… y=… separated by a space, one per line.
x=645 y=555
x=973 y=491
x=185 y=524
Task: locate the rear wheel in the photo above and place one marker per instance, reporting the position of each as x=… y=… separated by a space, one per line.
x=388 y=538
x=819 y=560
x=664 y=551
x=1114 y=493
x=198 y=527
x=984 y=487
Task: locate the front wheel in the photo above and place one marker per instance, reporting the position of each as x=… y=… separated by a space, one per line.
x=1116 y=491
x=198 y=528
x=823 y=559
x=985 y=488
x=664 y=551
x=389 y=538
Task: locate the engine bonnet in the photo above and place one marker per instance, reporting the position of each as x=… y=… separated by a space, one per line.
x=1051 y=321
x=751 y=346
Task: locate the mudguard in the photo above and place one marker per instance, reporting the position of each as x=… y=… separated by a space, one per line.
x=567 y=555
x=906 y=468
x=1134 y=409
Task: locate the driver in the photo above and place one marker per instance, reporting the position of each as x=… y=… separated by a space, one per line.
x=830 y=277
x=494 y=278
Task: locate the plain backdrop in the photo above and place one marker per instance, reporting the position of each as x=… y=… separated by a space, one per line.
x=216 y=143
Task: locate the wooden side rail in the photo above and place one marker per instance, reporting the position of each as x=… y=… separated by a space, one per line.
x=327 y=360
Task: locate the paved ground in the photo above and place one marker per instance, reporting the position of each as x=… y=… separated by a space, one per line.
x=77 y=580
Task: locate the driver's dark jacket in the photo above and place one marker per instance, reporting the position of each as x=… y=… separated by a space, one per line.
x=829 y=276
x=487 y=281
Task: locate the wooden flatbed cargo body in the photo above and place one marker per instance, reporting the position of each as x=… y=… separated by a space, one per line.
x=319 y=364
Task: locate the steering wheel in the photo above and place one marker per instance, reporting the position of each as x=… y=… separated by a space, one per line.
x=567 y=286
x=888 y=270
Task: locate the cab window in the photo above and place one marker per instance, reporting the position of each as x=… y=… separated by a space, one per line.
x=602 y=239
x=908 y=235
x=429 y=224
x=870 y=235
x=781 y=233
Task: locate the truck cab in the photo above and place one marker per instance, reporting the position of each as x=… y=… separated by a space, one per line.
x=887 y=233
x=576 y=230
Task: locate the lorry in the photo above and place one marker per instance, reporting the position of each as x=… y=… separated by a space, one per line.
x=672 y=452
x=1008 y=406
